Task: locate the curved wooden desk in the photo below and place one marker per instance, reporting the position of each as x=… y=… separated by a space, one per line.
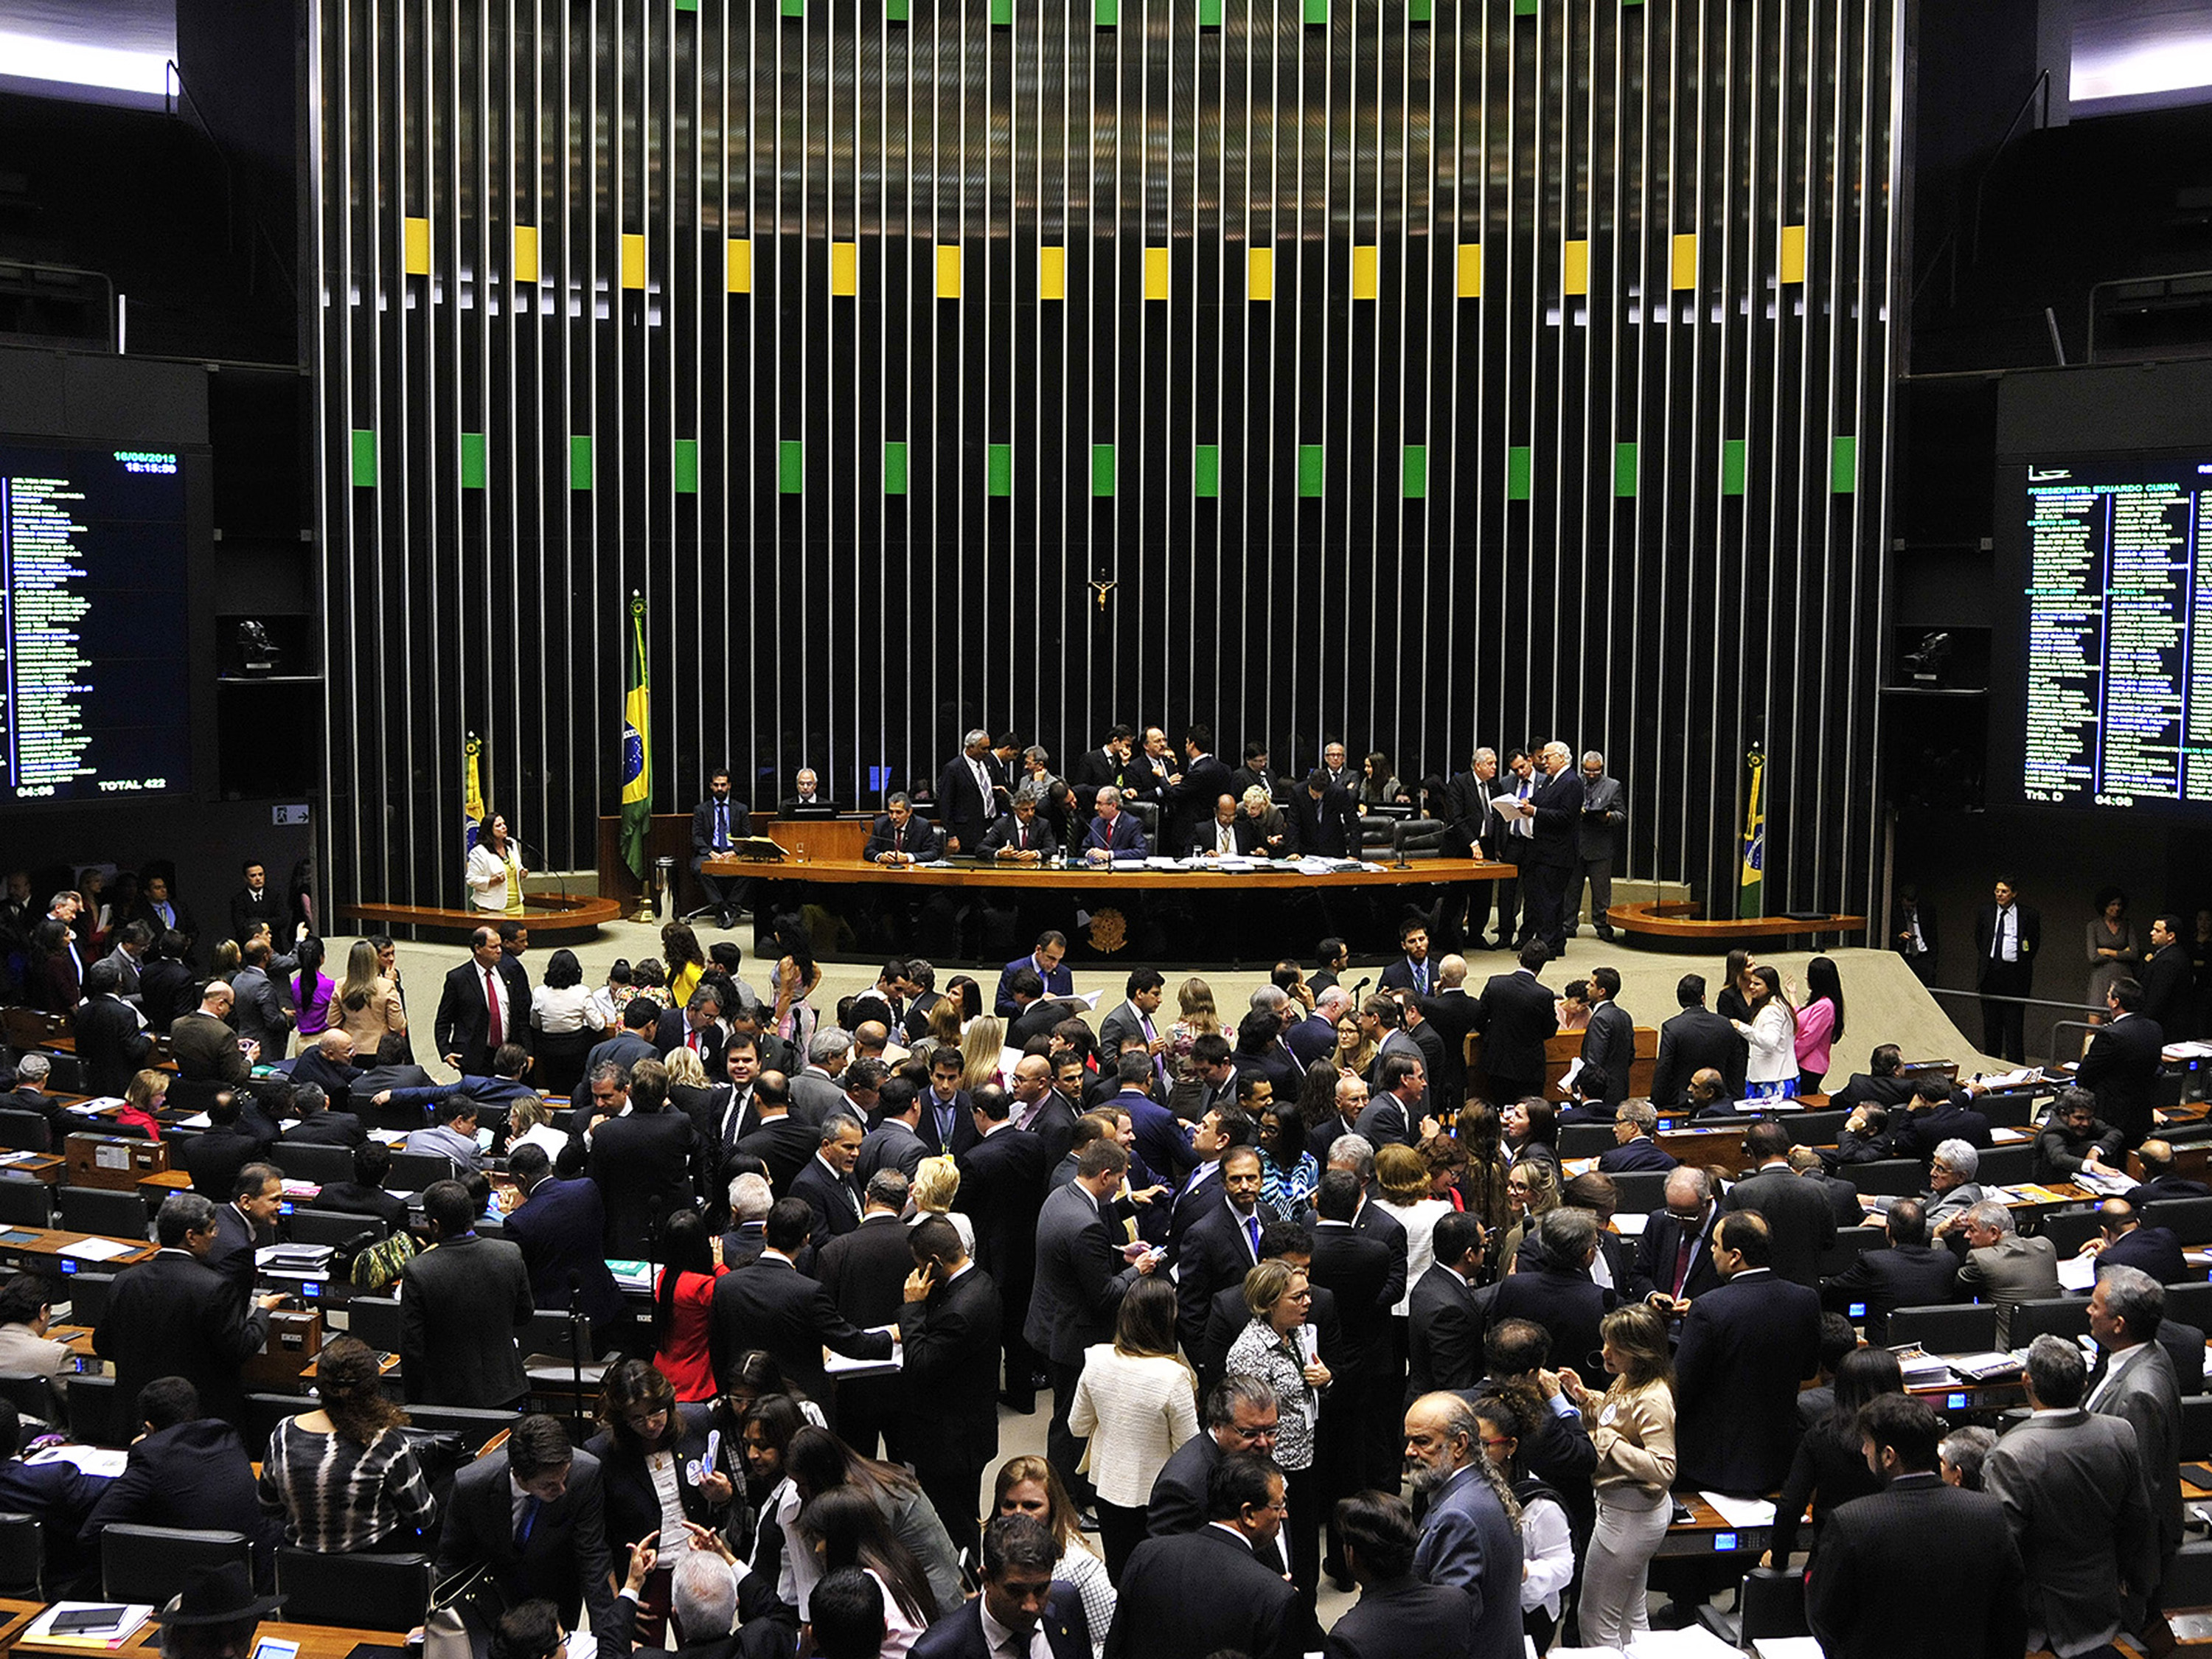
x=1678 y=922
x=1092 y=878
x=549 y=915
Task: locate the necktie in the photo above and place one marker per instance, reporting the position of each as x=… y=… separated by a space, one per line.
x=1228 y=839
x=1021 y=836
x=1421 y=977
x=1159 y=1067
x=898 y=839
x=721 y=825
x=693 y=1040
x=495 y=1032
x=1682 y=1260
x=522 y=1528
x=737 y=1119
x=1252 y=1234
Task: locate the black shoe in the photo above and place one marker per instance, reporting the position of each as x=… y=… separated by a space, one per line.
x=723 y=921
x=1606 y=933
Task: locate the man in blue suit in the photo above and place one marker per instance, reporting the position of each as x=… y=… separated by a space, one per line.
x=1468 y=1540
x=1162 y=1139
x=1114 y=835
x=558 y=1226
x=1634 y=1147
x=1019 y=1597
x=1046 y=960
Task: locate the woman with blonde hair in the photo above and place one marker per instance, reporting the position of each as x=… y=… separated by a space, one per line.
x=1354 y=1052
x=1136 y=1401
x=1402 y=1174
x=936 y=1184
x=1632 y=1431
x=530 y=1123
x=946 y=1020
x=1196 y=1018
x=1273 y=1348
x=1027 y=1485
x=1532 y=1188
x=980 y=1048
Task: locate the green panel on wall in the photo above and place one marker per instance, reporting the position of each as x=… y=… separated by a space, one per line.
x=1102 y=469
x=1413 y=472
x=1520 y=473
x=1209 y=13
x=1312 y=466
x=998 y=470
x=895 y=468
x=791 y=466
x=364 y=459
x=1206 y=471
x=1316 y=11
x=472 y=460
x=1843 y=467
x=580 y=463
x=686 y=467
x=1624 y=469
x=1736 y=465
x=1107 y=13
x=1002 y=12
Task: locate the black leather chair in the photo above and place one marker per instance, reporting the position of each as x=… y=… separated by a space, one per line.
x=25 y=1132
x=1584 y=1140
x=98 y=1414
x=331 y=1226
x=25 y=1202
x=2066 y=1317
x=2069 y=1229
x=1888 y=1177
x=1963 y=1327
x=371 y=1592
x=88 y=1296
x=2190 y=1219
x=1640 y=1191
x=149 y=1563
x=23 y=1557
x=2196 y=1428
x=315 y=1163
x=32 y=1395
x=2005 y=1166
x=375 y=1321
x=412 y=1171
x=96 y=1210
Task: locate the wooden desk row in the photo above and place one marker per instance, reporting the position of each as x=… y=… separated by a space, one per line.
x=316 y=1641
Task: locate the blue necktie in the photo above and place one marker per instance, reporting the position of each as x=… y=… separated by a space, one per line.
x=1252 y=1233
x=530 y=1508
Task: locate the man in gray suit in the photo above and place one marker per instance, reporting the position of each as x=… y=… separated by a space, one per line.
x=2002 y=1268
x=2137 y=1384
x=262 y=1016
x=1080 y=1281
x=2071 y=1482
x=815 y=1093
x=460 y=1304
x=1597 y=843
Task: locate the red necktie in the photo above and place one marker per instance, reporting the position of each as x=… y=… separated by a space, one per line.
x=1022 y=841
x=493 y=1030
x=694 y=1042
x=1683 y=1260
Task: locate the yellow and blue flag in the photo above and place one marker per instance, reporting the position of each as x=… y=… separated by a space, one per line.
x=1751 y=890
x=636 y=749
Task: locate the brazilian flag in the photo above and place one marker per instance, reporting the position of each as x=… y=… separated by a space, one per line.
x=636 y=751
x=472 y=806
x=1750 y=897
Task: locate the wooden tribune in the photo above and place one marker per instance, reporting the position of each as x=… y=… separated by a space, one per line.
x=1561 y=1052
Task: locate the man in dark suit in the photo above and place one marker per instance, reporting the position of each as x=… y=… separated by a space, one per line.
x=111 y=1044
x=476 y=1011
x=158 y=909
x=1192 y=792
x=640 y=1160
x=1115 y=836
x=254 y=906
x=1221 y=1244
x=863 y=1272
x=1045 y=959
x=1358 y=1268
x=1468 y=1540
x=2169 y=989
x=1553 y=812
x=1909 y=1274
x=1559 y=1294
x=895 y=1142
x=947 y=1125
x=185 y=1470
x=165 y=981
x=1913 y=933
x=1447 y=1312
x=1019 y=1601
x=513 y=940
x=245 y=1224
x=786 y=1143
x=1516 y=1015
x=2007 y=934
x=1877 y=1085
x=2124 y=1241
x=461 y=1304
x=897 y=837
x=1019 y=836
x=1095 y=768
x=1002 y=1185
x=1608 y=1051
x=561 y=1229
x=1411 y=969
x=951 y=1323
x=1081 y=1278
x=1191 y=1595
x=718 y=823
x=1799 y=1220
x=2159 y=1179
x=697 y=1025
x=825 y=1182
x=2074 y=1136
x=1450 y=1013
x=1397 y=1616
x=2122 y=1063
x=1598 y=832
x=202 y=1044
x=772 y=1306
x=1936 y=1113
x=1921 y=1566
x=534 y=1512
x=1238 y=1414
x=641 y=1018
x=173 y=1316
x=967 y=794
x=1323 y=821
x=2135 y=1380
x=1746 y=1346
x=214 y=1157
x=329 y=1065
x=1633 y=1148
x=1694 y=1040
x=1468 y=823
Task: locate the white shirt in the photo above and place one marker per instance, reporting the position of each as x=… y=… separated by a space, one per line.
x=495 y=992
x=1003 y=1641
x=2114 y=1359
x=1225 y=836
x=2005 y=947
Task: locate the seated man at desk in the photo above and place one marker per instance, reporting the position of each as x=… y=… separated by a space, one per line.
x=1115 y=836
x=806 y=800
x=1019 y=836
x=24 y=1344
x=899 y=837
x=2074 y=1139
x=59 y=1496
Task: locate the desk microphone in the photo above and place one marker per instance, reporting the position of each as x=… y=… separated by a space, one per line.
x=1361 y=987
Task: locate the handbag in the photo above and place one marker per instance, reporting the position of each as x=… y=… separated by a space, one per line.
x=469 y=1598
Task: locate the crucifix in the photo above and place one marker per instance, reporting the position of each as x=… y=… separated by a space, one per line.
x=1102 y=589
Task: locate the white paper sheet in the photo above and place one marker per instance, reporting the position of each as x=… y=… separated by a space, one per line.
x=2078 y=1272
x=97 y=1249
x=1740 y=1512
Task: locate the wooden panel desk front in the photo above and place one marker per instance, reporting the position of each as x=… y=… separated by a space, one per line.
x=316 y=1641
x=41 y=1247
x=1094 y=880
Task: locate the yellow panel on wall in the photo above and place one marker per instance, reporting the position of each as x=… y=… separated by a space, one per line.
x=845 y=268
x=948 y=272
x=1574 y=268
x=1366 y=272
x=525 y=264
x=1686 y=262
x=633 y=261
x=1470 y=271
x=738 y=265
x=1052 y=273
x=416 y=246
x=1155 y=273
x=1793 y=254
x=1260 y=274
